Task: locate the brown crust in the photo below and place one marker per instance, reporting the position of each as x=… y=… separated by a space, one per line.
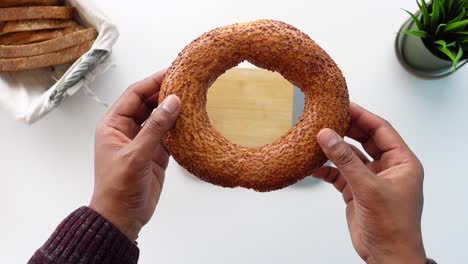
x=268 y=44
x=30 y=25
x=49 y=46
x=36 y=12
x=12 y=3
x=44 y=60
x=27 y=37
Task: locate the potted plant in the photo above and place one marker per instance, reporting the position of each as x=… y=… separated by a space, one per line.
x=433 y=42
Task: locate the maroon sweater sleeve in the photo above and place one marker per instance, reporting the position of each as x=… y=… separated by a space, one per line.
x=85 y=237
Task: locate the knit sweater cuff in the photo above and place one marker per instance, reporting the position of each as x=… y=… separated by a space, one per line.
x=86 y=237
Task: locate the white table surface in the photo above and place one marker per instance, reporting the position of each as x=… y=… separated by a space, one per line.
x=48 y=167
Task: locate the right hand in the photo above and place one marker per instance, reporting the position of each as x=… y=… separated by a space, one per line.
x=384 y=197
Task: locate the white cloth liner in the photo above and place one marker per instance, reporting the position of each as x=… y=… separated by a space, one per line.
x=30 y=95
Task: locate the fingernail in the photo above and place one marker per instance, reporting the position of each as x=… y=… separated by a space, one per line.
x=328 y=138
x=171 y=104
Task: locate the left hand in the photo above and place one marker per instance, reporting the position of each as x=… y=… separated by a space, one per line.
x=130 y=161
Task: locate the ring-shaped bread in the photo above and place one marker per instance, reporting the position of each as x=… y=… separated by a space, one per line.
x=268 y=44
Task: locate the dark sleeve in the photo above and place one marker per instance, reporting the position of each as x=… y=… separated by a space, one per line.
x=430 y=261
x=86 y=237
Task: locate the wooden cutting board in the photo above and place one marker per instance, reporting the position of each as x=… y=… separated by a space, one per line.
x=251 y=107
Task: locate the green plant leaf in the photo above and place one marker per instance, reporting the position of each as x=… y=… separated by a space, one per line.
x=461 y=33
x=415 y=19
x=417 y=33
x=442 y=13
x=435 y=14
x=441 y=43
x=439 y=28
x=447 y=52
x=457 y=58
x=459 y=17
x=451 y=8
x=456 y=25
x=459 y=5
x=444 y=45
x=451 y=44
x=447 y=4
x=425 y=14
x=450 y=5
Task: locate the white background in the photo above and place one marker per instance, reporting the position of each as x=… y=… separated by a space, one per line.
x=48 y=168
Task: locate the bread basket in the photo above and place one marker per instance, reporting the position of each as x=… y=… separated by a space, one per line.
x=30 y=95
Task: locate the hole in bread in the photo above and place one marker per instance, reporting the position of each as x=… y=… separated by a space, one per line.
x=253 y=107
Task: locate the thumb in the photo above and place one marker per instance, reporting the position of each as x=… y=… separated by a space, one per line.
x=160 y=121
x=341 y=154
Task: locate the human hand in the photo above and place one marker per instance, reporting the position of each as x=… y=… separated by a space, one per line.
x=129 y=159
x=384 y=197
